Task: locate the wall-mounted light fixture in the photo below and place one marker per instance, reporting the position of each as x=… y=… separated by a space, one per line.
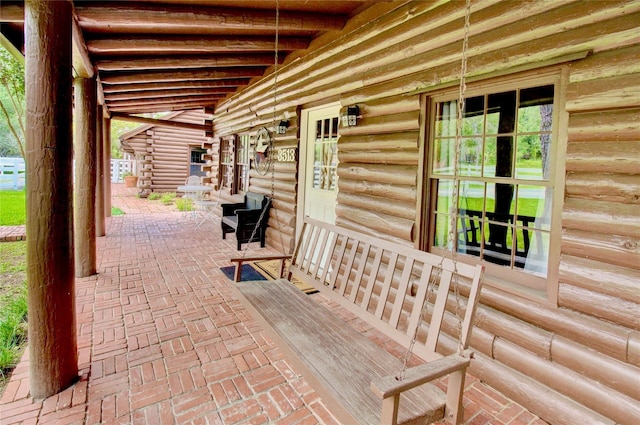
x=350 y=116
x=282 y=126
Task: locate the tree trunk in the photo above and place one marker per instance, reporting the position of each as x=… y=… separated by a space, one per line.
x=85 y=176
x=53 y=354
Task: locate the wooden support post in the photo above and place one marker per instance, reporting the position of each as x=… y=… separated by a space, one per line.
x=85 y=176
x=53 y=348
x=100 y=216
x=106 y=134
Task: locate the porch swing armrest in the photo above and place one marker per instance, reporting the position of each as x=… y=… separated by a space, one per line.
x=389 y=386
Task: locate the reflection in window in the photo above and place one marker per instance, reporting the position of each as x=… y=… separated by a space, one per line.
x=325 y=158
x=503 y=176
x=242 y=163
x=226 y=163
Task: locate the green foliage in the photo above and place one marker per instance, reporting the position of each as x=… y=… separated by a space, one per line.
x=184 y=204
x=154 y=196
x=13 y=329
x=115 y=211
x=11 y=105
x=12 y=208
x=167 y=198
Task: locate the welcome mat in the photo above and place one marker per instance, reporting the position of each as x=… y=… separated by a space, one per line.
x=248 y=273
x=271 y=270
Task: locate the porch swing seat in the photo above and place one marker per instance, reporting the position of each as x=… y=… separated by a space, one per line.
x=385 y=285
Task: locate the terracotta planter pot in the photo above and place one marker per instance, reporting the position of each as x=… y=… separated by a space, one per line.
x=130 y=181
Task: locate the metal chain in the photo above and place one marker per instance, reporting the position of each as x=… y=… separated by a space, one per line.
x=453 y=210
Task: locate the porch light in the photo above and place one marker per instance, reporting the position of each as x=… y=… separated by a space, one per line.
x=350 y=116
x=282 y=126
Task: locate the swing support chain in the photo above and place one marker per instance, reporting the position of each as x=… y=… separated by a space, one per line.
x=453 y=211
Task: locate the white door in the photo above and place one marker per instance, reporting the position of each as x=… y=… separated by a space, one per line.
x=318 y=161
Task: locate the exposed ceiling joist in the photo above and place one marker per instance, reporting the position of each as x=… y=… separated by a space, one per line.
x=160 y=122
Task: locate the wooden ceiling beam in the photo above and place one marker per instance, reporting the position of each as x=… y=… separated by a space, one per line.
x=182 y=62
x=153 y=94
x=165 y=107
x=202 y=99
x=11 y=11
x=164 y=123
x=159 y=45
x=128 y=17
x=174 y=75
x=186 y=84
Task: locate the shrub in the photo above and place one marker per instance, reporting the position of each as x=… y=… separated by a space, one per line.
x=154 y=196
x=13 y=329
x=184 y=204
x=167 y=198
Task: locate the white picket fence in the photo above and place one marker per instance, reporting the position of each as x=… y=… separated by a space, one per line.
x=12 y=173
x=121 y=166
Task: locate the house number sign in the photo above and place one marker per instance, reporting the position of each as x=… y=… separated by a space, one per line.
x=287 y=155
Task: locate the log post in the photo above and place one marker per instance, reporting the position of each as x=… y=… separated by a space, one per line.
x=106 y=134
x=100 y=216
x=85 y=176
x=53 y=354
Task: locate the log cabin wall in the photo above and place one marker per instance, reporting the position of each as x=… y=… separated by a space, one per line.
x=570 y=360
x=164 y=152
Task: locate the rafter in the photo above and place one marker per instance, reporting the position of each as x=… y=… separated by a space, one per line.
x=200 y=84
x=199 y=74
x=129 y=45
x=154 y=94
x=165 y=107
x=201 y=99
x=127 y=17
x=160 y=122
x=182 y=62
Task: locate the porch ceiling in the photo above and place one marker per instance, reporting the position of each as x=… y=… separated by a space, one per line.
x=165 y=55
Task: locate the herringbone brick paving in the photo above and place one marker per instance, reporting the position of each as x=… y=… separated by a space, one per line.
x=162 y=340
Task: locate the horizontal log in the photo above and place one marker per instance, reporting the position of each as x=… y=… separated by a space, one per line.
x=620 y=408
x=402 y=175
x=598 y=65
x=166 y=45
x=191 y=19
x=208 y=99
x=605 y=187
x=602 y=217
x=611 y=156
x=599 y=305
x=633 y=348
x=607 y=338
x=369 y=203
x=605 y=126
x=390 y=106
x=165 y=107
x=611 y=373
x=607 y=248
x=408 y=158
x=600 y=277
x=186 y=62
x=525 y=335
x=378 y=221
x=344 y=221
x=395 y=141
x=392 y=192
x=620 y=91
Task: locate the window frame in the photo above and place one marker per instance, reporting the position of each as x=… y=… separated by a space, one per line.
x=514 y=281
x=240 y=166
x=226 y=141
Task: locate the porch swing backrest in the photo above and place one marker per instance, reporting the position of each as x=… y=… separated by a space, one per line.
x=384 y=284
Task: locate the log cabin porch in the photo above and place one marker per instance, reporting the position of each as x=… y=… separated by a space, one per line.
x=162 y=340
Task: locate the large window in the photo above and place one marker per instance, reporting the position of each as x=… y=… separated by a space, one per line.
x=504 y=180
x=325 y=154
x=196 y=161
x=243 y=163
x=225 y=175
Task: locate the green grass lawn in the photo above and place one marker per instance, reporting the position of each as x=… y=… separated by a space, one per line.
x=12 y=208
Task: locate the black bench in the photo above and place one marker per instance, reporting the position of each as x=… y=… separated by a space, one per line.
x=241 y=218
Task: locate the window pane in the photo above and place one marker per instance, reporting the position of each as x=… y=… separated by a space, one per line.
x=497 y=243
x=444 y=199
x=441 y=234
x=473 y=121
x=534 y=206
x=537 y=258
x=470 y=157
x=446 y=117
x=529 y=158
x=469 y=235
x=443 y=156
x=490 y=158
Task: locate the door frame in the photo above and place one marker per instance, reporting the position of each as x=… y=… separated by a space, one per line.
x=302 y=157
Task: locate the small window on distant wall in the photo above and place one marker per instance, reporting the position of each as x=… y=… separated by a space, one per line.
x=196 y=162
x=504 y=176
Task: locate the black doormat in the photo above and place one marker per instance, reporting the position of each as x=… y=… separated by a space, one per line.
x=248 y=273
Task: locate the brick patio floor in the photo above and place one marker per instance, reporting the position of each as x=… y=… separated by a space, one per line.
x=162 y=340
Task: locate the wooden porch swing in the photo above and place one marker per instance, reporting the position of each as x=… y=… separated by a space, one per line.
x=390 y=288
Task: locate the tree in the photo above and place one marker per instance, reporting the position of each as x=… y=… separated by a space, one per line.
x=12 y=97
